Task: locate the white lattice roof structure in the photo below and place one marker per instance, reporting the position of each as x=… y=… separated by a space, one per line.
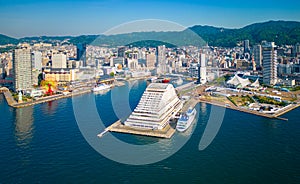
x=238 y=82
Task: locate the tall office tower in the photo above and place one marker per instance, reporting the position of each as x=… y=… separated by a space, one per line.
x=36 y=57
x=121 y=51
x=151 y=60
x=257 y=53
x=59 y=61
x=202 y=69
x=22 y=69
x=161 y=59
x=296 y=50
x=269 y=63
x=81 y=53
x=246 y=46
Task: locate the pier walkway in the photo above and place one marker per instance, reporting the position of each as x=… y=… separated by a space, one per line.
x=167 y=132
x=9 y=98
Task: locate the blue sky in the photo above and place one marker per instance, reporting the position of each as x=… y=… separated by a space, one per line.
x=19 y=18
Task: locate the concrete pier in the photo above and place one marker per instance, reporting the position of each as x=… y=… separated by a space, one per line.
x=11 y=101
x=167 y=132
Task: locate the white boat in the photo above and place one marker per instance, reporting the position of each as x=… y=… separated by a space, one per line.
x=179 y=81
x=101 y=87
x=186 y=119
x=152 y=79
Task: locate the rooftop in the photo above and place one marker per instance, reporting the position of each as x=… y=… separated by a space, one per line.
x=158 y=86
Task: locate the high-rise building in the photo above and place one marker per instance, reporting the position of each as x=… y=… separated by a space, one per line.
x=161 y=59
x=269 y=63
x=59 y=60
x=246 y=46
x=121 y=51
x=36 y=57
x=81 y=53
x=157 y=104
x=257 y=53
x=296 y=50
x=132 y=61
x=22 y=69
x=202 y=69
x=151 y=60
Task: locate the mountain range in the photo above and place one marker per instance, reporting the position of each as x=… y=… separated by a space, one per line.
x=281 y=32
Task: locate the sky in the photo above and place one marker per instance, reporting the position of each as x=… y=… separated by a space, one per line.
x=20 y=18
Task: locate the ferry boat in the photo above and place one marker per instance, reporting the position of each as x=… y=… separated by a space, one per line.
x=186 y=119
x=101 y=87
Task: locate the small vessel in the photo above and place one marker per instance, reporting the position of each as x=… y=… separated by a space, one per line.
x=152 y=79
x=66 y=92
x=186 y=119
x=179 y=81
x=101 y=87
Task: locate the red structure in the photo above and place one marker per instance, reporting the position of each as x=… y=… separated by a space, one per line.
x=49 y=92
x=166 y=80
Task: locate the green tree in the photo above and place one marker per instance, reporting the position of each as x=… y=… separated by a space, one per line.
x=112 y=74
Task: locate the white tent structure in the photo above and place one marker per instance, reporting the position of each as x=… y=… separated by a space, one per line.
x=255 y=84
x=238 y=82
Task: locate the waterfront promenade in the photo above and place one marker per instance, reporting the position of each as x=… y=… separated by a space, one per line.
x=276 y=115
x=9 y=98
x=167 y=132
x=13 y=103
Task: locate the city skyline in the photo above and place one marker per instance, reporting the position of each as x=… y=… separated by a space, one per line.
x=58 y=18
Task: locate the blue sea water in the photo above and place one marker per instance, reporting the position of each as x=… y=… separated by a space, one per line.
x=43 y=144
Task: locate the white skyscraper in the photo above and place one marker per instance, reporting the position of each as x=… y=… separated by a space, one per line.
x=36 y=57
x=161 y=59
x=22 y=69
x=59 y=61
x=257 y=53
x=269 y=63
x=203 y=69
x=151 y=60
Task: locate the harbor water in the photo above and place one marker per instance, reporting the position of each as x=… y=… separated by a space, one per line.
x=43 y=144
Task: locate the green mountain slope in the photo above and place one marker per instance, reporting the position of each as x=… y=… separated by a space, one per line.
x=282 y=32
x=7 y=40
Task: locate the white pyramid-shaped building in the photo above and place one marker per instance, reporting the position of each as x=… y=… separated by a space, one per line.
x=157 y=105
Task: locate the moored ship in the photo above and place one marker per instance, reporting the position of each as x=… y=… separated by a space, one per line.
x=101 y=87
x=186 y=119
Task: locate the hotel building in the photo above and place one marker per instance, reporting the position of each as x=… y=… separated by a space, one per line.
x=157 y=105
